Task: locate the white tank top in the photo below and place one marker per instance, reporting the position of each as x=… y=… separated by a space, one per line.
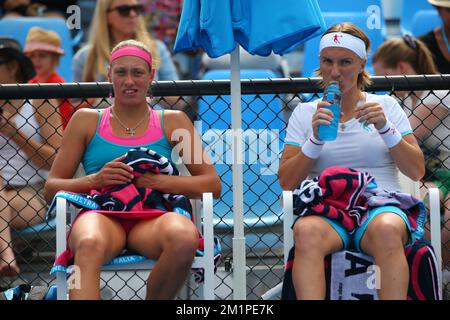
x=16 y=169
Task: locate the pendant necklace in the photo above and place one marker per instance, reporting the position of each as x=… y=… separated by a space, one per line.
x=128 y=130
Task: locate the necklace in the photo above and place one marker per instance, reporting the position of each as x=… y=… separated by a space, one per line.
x=128 y=130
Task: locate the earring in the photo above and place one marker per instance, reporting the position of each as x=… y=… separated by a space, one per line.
x=150 y=93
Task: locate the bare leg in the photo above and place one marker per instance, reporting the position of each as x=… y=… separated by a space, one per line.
x=95 y=239
x=314 y=239
x=171 y=239
x=8 y=264
x=26 y=208
x=384 y=239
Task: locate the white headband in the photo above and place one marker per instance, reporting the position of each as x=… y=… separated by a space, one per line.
x=344 y=40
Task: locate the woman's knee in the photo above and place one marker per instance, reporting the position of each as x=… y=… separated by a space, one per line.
x=309 y=234
x=90 y=248
x=385 y=233
x=180 y=235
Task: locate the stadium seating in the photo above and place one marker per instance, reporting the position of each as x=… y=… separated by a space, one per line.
x=425 y=21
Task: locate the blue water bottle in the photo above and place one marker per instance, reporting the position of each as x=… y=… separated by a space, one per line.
x=332 y=94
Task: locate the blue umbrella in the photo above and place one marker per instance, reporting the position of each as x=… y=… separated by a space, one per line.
x=260 y=27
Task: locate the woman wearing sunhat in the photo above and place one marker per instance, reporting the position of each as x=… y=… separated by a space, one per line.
x=43 y=47
x=438 y=40
x=28 y=143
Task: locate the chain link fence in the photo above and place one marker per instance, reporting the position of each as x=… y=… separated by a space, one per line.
x=266 y=107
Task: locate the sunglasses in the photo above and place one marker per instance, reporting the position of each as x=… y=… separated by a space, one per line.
x=4 y=61
x=125 y=10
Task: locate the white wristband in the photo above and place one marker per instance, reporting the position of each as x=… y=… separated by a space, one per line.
x=312 y=147
x=390 y=135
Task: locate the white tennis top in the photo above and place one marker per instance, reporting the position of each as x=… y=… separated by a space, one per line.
x=357 y=146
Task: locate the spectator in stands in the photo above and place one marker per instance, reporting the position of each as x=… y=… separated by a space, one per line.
x=367 y=121
x=32 y=8
x=43 y=47
x=429 y=114
x=28 y=143
x=21 y=8
x=162 y=18
x=438 y=40
x=55 y=8
x=104 y=136
x=115 y=21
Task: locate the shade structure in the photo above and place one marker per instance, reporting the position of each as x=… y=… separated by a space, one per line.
x=260 y=27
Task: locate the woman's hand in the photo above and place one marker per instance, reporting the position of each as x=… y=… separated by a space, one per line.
x=371 y=112
x=113 y=173
x=152 y=180
x=321 y=116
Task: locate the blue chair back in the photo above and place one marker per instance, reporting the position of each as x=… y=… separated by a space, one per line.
x=311 y=53
x=425 y=21
x=17 y=28
x=264 y=128
x=410 y=8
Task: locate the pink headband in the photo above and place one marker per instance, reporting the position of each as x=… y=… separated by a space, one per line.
x=132 y=51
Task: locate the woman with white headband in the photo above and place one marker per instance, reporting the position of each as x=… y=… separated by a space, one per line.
x=374 y=136
x=99 y=139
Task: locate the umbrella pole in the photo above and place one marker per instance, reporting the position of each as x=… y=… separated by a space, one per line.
x=239 y=263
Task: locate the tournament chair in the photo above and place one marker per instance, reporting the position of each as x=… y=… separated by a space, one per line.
x=127 y=262
x=408 y=186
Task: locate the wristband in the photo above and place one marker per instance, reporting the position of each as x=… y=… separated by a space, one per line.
x=390 y=135
x=312 y=147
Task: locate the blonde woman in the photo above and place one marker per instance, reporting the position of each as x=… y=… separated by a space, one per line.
x=99 y=139
x=115 y=21
x=368 y=123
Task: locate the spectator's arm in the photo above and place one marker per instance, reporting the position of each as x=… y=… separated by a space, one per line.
x=43 y=153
